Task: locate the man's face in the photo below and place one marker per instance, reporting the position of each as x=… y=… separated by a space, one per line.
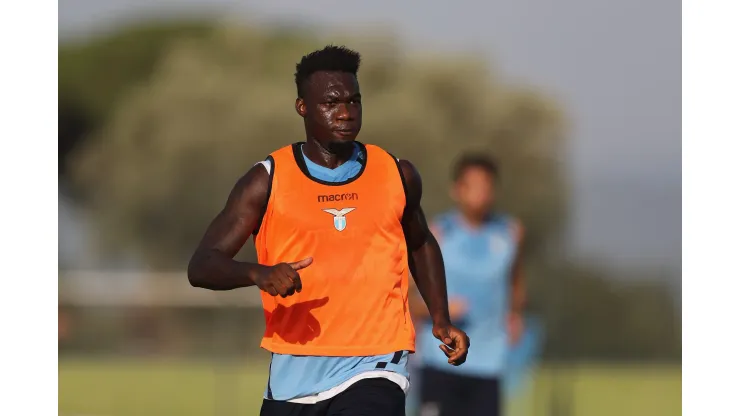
x=332 y=109
x=474 y=191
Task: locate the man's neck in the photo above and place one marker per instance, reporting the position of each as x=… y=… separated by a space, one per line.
x=325 y=157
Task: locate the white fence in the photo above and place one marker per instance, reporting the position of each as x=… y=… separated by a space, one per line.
x=97 y=288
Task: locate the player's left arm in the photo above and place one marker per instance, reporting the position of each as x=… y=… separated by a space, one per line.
x=417 y=307
x=518 y=296
x=427 y=268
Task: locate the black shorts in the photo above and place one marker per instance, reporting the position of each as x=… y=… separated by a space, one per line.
x=368 y=397
x=447 y=394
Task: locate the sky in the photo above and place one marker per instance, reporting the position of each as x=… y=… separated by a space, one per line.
x=615 y=65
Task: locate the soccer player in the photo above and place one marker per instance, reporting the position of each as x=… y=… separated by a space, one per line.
x=481 y=249
x=338 y=227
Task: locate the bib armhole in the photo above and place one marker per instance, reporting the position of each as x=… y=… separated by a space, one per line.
x=269 y=165
x=397 y=161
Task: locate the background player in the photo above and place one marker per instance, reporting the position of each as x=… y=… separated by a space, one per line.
x=337 y=225
x=482 y=257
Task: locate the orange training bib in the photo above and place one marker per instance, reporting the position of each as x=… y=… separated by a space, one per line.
x=354 y=300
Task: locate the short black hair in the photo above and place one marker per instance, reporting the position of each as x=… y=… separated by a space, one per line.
x=331 y=58
x=474 y=160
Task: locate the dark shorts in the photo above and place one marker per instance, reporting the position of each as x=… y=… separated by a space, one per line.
x=447 y=394
x=368 y=397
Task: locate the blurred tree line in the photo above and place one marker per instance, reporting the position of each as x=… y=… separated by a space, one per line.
x=157 y=123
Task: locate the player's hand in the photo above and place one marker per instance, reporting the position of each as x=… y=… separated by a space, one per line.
x=455 y=342
x=282 y=279
x=515 y=327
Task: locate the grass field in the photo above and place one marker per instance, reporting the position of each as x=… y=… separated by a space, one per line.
x=155 y=388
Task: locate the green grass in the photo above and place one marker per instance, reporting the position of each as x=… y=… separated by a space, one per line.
x=157 y=388
x=149 y=388
x=602 y=390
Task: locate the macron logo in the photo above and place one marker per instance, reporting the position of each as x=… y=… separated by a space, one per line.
x=338 y=197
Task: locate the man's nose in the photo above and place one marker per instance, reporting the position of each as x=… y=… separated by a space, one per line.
x=344 y=112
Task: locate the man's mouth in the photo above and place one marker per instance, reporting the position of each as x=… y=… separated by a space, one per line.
x=346 y=132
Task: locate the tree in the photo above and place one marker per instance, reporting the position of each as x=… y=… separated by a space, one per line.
x=93 y=76
x=163 y=165
x=592 y=315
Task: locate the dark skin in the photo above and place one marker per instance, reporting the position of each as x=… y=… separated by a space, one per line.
x=330 y=105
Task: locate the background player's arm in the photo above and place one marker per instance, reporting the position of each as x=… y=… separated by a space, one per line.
x=518 y=290
x=212 y=266
x=427 y=268
x=518 y=286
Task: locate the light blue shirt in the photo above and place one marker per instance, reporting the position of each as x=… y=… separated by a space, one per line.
x=478 y=265
x=294 y=376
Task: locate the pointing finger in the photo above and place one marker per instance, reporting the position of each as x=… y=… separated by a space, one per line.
x=301 y=264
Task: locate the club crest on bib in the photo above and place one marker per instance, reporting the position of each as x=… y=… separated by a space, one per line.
x=340 y=221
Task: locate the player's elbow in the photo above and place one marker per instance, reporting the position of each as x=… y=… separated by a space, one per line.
x=196 y=275
x=519 y=297
x=193 y=277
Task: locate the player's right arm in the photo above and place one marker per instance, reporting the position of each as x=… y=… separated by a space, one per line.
x=212 y=265
x=518 y=296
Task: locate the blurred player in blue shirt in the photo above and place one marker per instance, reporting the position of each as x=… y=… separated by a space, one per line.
x=481 y=251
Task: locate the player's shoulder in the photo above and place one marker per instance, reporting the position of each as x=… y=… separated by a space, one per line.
x=374 y=148
x=251 y=190
x=513 y=224
x=269 y=162
x=266 y=164
x=386 y=154
x=257 y=181
x=281 y=154
x=499 y=221
x=409 y=174
x=258 y=176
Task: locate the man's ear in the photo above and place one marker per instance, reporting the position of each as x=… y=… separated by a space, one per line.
x=300 y=107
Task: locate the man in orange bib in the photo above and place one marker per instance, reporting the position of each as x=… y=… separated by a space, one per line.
x=338 y=228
